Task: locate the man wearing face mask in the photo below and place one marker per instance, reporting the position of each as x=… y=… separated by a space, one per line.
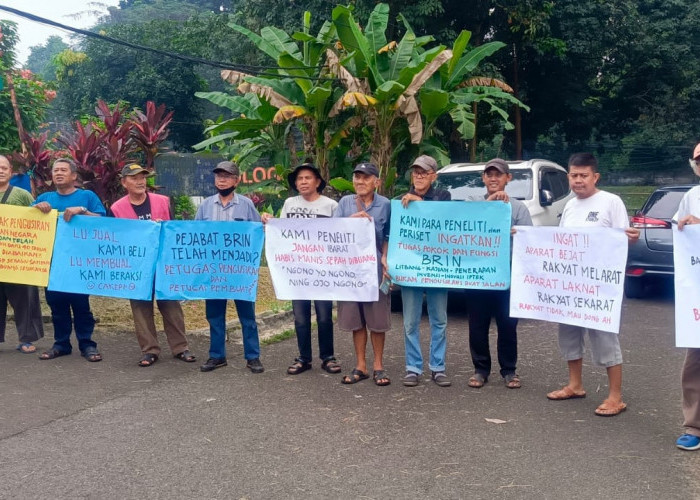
x=229 y=206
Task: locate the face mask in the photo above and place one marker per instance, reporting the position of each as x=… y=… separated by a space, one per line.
x=227 y=191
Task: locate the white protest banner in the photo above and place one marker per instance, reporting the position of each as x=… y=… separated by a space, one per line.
x=323 y=259
x=569 y=275
x=686 y=261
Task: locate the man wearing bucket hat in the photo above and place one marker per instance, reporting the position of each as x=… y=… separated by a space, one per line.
x=226 y=205
x=310 y=204
x=142 y=205
x=423 y=174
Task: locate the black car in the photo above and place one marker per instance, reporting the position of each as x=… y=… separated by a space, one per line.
x=650 y=260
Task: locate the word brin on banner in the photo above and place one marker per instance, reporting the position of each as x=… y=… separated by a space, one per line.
x=450 y=244
x=105 y=256
x=325 y=259
x=686 y=260
x=569 y=275
x=26 y=244
x=209 y=260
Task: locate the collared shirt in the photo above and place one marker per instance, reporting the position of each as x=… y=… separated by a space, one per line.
x=433 y=194
x=239 y=208
x=379 y=210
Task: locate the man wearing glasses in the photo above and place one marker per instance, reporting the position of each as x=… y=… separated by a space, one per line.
x=423 y=174
x=229 y=206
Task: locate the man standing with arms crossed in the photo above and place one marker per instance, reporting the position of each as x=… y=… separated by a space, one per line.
x=423 y=174
x=24 y=299
x=71 y=201
x=359 y=317
x=142 y=205
x=310 y=204
x=226 y=205
x=592 y=208
x=689 y=213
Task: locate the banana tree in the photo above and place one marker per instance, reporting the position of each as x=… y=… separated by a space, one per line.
x=382 y=80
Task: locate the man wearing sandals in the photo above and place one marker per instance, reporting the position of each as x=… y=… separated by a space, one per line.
x=487 y=304
x=689 y=213
x=423 y=174
x=71 y=201
x=592 y=208
x=142 y=205
x=24 y=299
x=310 y=204
x=359 y=317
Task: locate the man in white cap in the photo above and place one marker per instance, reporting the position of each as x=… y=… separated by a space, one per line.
x=689 y=213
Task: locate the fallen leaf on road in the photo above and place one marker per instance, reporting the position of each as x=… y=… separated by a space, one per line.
x=496 y=421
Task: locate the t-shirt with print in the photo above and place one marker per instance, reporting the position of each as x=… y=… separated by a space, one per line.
x=602 y=209
x=298 y=207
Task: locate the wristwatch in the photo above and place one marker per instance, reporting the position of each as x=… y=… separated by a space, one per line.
x=83 y=210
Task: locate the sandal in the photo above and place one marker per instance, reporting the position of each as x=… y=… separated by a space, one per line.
x=186 y=356
x=411 y=379
x=51 y=354
x=354 y=377
x=441 y=379
x=331 y=365
x=565 y=393
x=298 y=367
x=477 y=380
x=512 y=381
x=26 y=348
x=92 y=355
x=380 y=378
x=148 y=359
x=610 y=409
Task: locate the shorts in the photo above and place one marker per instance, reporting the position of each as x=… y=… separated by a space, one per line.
x=605 y=346
x=376 y=316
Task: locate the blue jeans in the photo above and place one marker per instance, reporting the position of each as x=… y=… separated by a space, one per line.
x=61 y=304
x=412 y=298
x=216 y=316
x=302 y=325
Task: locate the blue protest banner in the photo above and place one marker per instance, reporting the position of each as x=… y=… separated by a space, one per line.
x=450 y=244
x=105 y=256
x=209 y=260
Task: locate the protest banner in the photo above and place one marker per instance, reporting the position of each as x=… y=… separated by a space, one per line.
x=26 y=244
x=450 y=244
x=323 y=258
x=105 y=256
x=686 y=262
x=209 y=260
x=569 y=275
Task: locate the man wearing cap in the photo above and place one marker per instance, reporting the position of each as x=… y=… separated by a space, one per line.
x=423 y=174
x=229 y=206
x=310 y=204
x=689 y=213
x=359 y=317
x=487 y=304
x=24 y=299
x=142 y=205
x=71 y=201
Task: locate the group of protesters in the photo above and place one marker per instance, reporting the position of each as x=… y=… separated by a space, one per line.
x=591 y=207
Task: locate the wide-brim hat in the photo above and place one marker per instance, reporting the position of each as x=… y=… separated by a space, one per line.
x=292 y=177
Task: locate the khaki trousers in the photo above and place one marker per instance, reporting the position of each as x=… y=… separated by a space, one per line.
x=690 y=382
x=173 y=323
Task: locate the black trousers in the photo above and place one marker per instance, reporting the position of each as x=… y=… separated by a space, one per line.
x=484 y=305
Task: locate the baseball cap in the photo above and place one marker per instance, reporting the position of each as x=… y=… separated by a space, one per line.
x=227 y=166
x=292 y=177
x=367 y=168
x=425 y=162
x=498 y=164
x=135 y=169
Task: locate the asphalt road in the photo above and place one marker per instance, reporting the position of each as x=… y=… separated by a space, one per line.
x=73 y=429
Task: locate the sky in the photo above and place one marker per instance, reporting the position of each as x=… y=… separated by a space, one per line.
x=61 y=11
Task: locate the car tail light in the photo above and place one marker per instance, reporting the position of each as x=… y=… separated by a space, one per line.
x=634 y=271
x=641 y=222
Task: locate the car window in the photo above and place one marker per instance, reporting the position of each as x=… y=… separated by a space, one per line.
x=663 y=204
x=469 y=186
x=556 y=182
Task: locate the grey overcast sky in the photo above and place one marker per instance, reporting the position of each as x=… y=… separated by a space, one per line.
x=61 y=11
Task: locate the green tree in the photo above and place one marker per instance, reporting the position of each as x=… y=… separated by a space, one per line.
x=41 y=57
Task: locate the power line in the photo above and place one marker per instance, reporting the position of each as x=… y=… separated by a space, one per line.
x=243 y=68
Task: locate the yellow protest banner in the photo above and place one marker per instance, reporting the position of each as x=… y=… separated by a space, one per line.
x=26 y=244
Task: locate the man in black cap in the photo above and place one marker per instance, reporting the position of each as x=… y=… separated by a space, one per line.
x=310 y=204
x=229 y=206
x=359 y=317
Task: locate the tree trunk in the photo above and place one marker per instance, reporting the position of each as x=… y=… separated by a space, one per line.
x=518 y=118
x=15 y=108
